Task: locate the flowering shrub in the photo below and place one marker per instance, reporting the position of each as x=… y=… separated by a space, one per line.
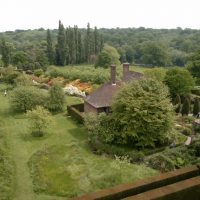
x=72 y=90
x=84 y=87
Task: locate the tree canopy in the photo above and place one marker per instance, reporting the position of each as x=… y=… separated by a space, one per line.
x=179 y=81
x=108 y=56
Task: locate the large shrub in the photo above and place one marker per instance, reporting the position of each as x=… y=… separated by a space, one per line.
x=40 y=119
x=144 y=113
x=56 y=98
x=25 y=98
x=179 y=81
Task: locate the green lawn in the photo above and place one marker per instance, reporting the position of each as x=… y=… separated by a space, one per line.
x=59 y=164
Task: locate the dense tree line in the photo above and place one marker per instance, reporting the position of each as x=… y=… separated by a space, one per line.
x=154 y=47
x=39 y=48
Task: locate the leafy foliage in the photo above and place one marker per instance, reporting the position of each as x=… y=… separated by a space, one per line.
x=179 y=81
x=186 y=107
x=196 y=108
x=155 y=54
x=56 y=99
x=96 y=76
x=177 y=103
x=193 y=65
x=144 y=113
x=39 y=119
x=108 y=56
x=156 y=73
x=25 y=98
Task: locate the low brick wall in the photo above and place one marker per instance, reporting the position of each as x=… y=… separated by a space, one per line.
x=142 y=186
x=76 y=111
x=183 y=190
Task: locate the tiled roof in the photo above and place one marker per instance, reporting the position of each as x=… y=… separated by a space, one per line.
x=132 y=76
x=103 y=96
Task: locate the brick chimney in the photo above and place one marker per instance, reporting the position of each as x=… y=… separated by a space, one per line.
x=113 y=74
x=125 y=69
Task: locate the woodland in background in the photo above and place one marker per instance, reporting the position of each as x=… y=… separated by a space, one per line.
x=32 y=49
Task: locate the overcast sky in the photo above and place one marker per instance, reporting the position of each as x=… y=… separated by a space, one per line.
x=32 y=14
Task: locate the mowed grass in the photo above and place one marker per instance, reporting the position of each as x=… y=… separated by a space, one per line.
x=70 y=170
x=60 y=164
x=6 y=168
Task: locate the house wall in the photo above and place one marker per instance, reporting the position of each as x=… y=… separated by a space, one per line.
x=89 y=108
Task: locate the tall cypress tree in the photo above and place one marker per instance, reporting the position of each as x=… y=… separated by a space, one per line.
x=76 y=43
x=96 y=41
x=61 y=46
x=186 y=107
x=71 y=46
x=79 y=48
x=196 y=107
x=101 y=43
x=50 y=51
x=67 y=41
x=5 y=52
x=88 y=43
x=177 y=103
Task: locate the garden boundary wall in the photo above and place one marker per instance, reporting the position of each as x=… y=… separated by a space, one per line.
x=77 y=112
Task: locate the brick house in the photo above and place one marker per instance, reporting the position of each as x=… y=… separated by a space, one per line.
x=101 y=99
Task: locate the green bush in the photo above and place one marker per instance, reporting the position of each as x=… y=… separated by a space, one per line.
x=85 y=74
x=38 y=72
x=23 y=80
x=187 y=131
x=196 y=147
x=56 y=98
x=161 y=162
x=196 y=128
x=40 y=119
x=143 y=114
x=25 y=98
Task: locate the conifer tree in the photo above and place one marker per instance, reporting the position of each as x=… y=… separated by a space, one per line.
x=50 y=51
x=76 y=43
x=5 y=52
x=72 y=47
x=79 y=48
x=101 y=43
x=186 y=107
x=196 y=107
x=177 y=103
x=96 y=41
x=88 y=43
x=61 y=46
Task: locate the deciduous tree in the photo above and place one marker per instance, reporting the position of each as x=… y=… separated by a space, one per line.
x=179 y=81
x=40 y=119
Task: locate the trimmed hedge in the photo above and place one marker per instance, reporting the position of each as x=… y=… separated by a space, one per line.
x=76 y=111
